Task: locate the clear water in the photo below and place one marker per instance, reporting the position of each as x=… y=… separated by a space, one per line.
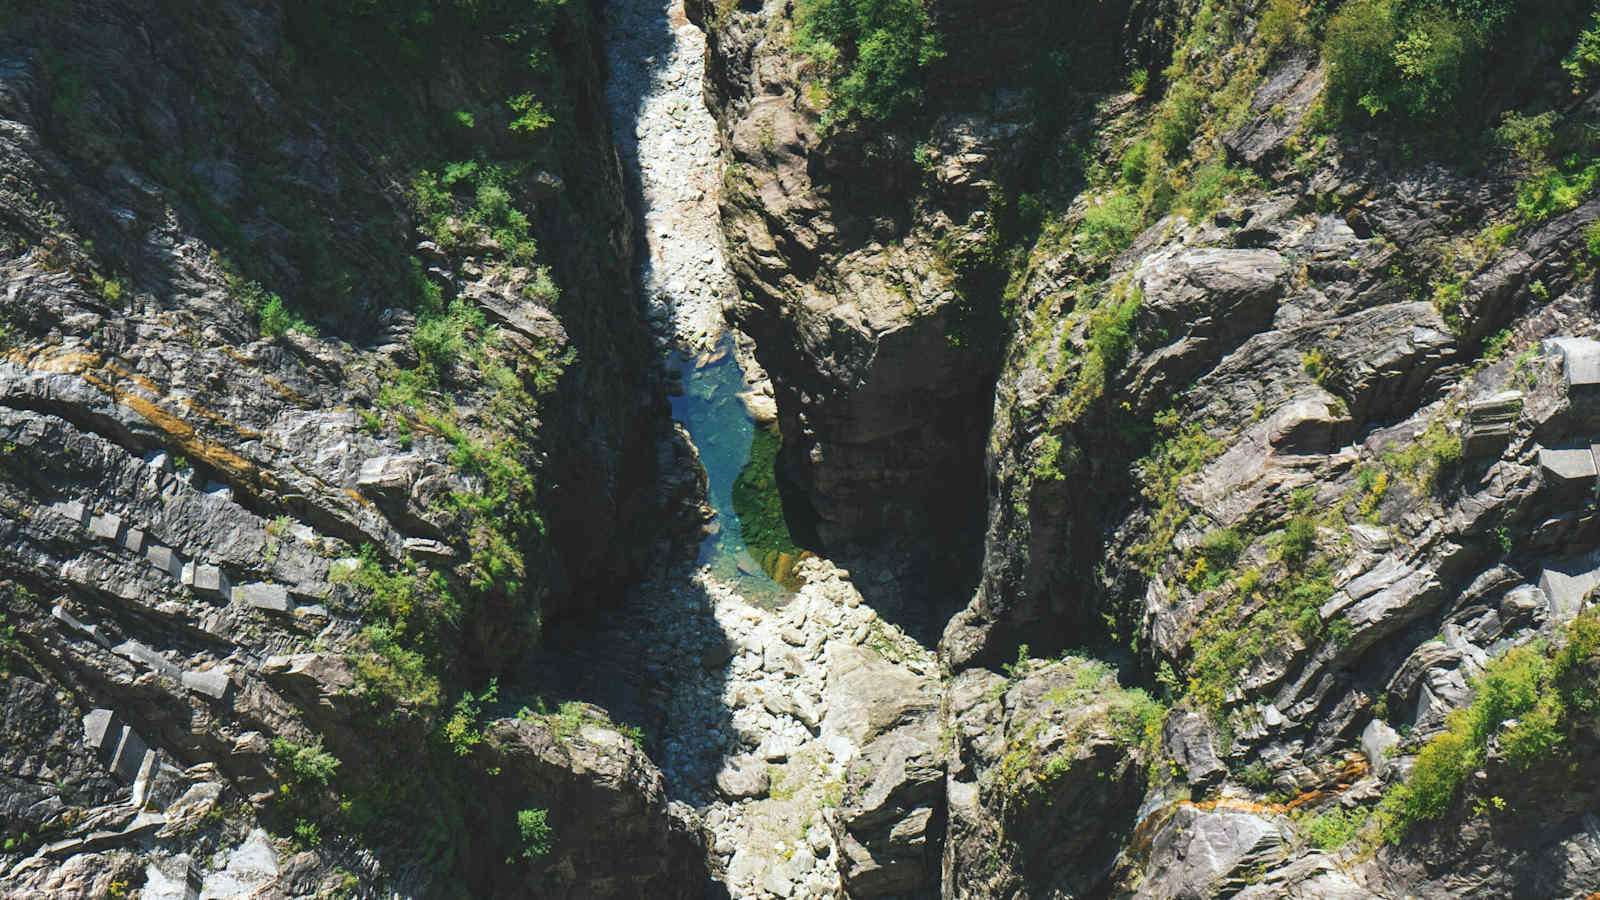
x=722 y=429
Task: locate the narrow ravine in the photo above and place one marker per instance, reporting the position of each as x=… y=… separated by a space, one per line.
x=668 y=143
x=758 y=715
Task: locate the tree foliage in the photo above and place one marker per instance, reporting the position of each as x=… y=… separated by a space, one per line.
x=872 y=54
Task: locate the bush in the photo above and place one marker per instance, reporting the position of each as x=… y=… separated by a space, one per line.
x=1110 y=342
x=1207 y=187
x=871 y=53
x=1315 y=364
x=1299 y=539
x=1547 y=693
x=277 y=320
x=1334 y=828
x=1283 y=24
x=1220 y=548
x=1449 y=298
x=1583 y=63
x=1111 y=225
x=1135 y=164
x=1531 y=137
x=1179 y=119
x=1431 y=454
x=1413 y=61
x=308 y=763
x=534 y=828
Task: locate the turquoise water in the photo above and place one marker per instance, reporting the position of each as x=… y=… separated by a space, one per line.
x=721 y=427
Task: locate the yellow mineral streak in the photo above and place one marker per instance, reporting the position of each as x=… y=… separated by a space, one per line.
x=91 y=366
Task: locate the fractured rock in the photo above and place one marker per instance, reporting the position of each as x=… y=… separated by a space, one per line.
x=211 y=580
x=1568 y=588
x=271 y=597
x=106 y=526
x=1488 y=424
x=1570 y=469
x=97 y=725
x=73 y=510
x=164 y=560
x=743 y=776
x=211 y=682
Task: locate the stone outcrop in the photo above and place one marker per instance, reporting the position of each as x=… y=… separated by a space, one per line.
x=616 y=834
x=1039 y=757
x=193 y=498
x=1318 y=452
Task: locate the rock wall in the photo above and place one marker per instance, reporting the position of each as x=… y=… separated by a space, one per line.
x=1304 y=454
x=204 y=515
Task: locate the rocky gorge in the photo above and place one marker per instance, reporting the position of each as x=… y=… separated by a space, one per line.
x=798 y=448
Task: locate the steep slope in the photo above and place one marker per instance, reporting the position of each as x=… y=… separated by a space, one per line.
x=868 y=278
x=323 y=386
x=1290 y=418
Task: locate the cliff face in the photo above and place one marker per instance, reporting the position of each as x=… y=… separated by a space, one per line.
x=1288 y=411
x=323 y=384
x=1245 y=346
x=867 y=281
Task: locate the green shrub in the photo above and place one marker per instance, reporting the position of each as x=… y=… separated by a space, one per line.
x=1137 y=80
x=1557 y=190
x=1429 y=455
x=1179 y=118
x=1221 y=547
x=871 y=54
x=277 y=320
x=1315 y=364
x=1530 y=137
x=531 y=117
x=1111 y=225
x=308 y=834
x=1257 y=777
x=1449 y=298
x=1334 y=828
x=1548 y=693
x=1411 y=60
x=1583 y=63
x=1207 y=186
x=1299 y=539
x=461 y=732
x=440 y=336
x=1591 y=238
x=1283 y=24
x=534 y=828
x=1110 y=341
x=308 y=763
x=1135 y=164
x=1303 y=499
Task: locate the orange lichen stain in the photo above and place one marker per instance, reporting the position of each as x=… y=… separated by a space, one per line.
x=1233 y=804
x=72 y=362
x=246 y=433
x=1355 y=768
x=359 y=499
x=81 y=364
x=184 y=434
x=161 y=393
x=288 y=393
x=134 y=377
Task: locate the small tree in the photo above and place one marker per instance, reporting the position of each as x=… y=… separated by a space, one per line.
x=536 y=833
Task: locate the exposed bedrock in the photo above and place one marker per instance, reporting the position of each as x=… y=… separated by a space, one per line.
x=850 y=259
x=225 y=526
